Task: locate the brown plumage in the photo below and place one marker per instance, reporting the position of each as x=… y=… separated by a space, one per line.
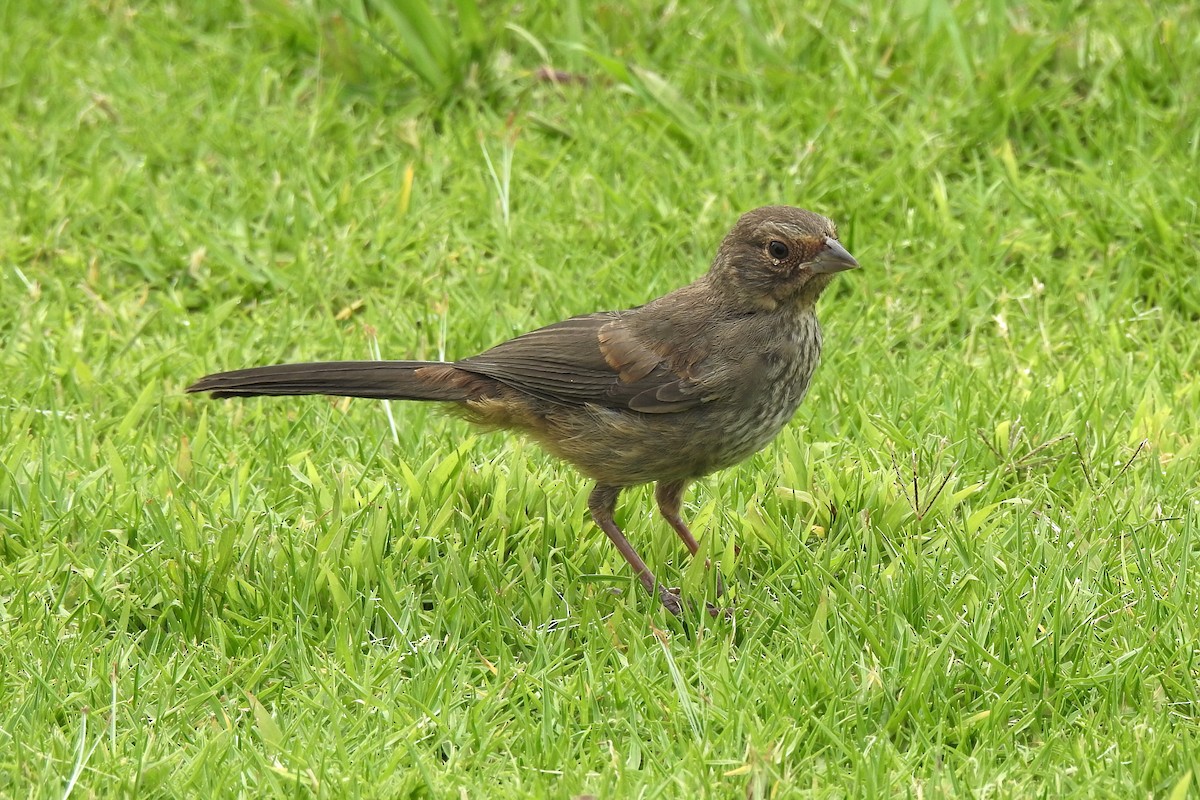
x=690 y=383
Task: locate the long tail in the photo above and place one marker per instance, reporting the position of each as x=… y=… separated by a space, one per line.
x=380 y=380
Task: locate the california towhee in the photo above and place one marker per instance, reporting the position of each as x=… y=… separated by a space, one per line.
x=682 y=386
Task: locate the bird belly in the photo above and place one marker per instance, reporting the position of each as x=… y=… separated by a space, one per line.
x=626 y=448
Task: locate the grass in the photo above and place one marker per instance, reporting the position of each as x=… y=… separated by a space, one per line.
x=966 y=569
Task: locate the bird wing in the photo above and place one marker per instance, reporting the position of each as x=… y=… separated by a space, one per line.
x=596 y=359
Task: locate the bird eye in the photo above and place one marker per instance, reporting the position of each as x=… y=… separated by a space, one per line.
x=778 y=250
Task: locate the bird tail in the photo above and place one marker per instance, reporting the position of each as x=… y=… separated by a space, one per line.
x=380 y=380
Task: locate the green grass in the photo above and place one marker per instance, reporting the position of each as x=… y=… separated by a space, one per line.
x=292 y=597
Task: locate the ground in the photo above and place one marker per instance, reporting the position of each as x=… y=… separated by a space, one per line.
x=965 y=568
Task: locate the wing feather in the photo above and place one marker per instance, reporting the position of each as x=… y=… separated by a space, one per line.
x=591 y=359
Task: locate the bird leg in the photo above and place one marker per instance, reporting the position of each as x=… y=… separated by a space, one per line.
x=669 y=495
x=670 y=499
x=602 y=502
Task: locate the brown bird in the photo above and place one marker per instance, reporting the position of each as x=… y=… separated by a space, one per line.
x=669 y=391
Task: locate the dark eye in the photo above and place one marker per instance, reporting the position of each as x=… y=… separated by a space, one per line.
x=778 y=250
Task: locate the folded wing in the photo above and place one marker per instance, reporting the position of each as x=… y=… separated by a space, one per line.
x=596 y=359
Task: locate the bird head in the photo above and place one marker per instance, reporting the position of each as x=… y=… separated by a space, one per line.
x=779 y=256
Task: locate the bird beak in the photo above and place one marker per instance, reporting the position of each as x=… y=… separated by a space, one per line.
x=834 y=258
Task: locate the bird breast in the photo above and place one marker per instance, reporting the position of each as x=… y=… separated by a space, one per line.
x=775 y=381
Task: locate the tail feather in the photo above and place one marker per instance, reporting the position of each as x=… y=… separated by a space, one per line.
x=379 y=380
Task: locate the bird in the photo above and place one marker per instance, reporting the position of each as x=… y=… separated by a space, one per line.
x=667 y=392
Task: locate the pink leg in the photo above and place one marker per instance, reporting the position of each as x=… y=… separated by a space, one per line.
x=670 y=500
x=602 y=502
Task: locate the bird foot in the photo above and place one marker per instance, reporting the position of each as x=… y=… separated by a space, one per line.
x=724 y=612
x=672 y=600
x=670 y=597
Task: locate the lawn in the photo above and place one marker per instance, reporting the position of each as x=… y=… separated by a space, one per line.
x=967 y=568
